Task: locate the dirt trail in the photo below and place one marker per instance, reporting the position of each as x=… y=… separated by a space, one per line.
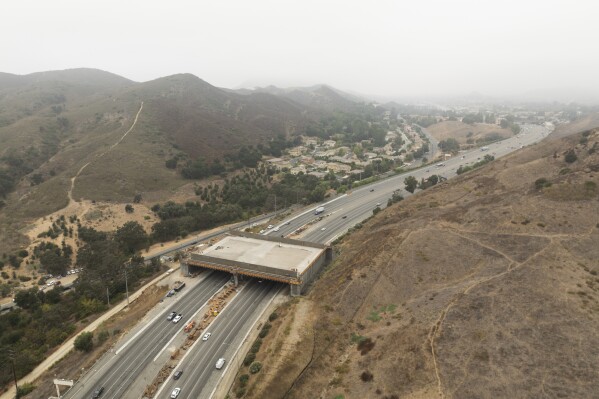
x=74 y=178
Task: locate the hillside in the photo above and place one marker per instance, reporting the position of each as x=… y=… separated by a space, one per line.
x=467 y=134
x=319 y=97
x=59 y=124
x=486 y=286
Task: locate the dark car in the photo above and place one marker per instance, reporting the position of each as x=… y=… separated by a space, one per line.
x=98 y=393
x=177 y=374
x=372 y=189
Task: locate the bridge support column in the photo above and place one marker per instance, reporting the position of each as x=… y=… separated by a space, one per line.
x=236 y=279
x=184 y=268
x=295 y=290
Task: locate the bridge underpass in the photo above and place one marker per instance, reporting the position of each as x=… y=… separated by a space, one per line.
x=284 y=260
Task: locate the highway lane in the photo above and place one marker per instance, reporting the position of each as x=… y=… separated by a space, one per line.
x=227 y=331
x=359 y=203
x=129 y=360
x=356 y=205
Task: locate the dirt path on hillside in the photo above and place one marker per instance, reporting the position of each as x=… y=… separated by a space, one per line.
x=74 y=178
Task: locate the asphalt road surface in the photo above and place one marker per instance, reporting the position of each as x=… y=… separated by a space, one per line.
x=228 y=329
x=200 y=375
x=117 y=373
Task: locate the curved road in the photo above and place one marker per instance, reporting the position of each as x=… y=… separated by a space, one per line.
x=228 y=330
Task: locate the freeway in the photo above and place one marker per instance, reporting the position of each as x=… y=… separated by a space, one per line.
x=345 y=211
x=200 y=375
x=115 y=372
x=341 y=213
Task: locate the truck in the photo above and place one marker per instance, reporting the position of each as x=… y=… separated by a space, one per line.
x=484 y=148
x=179 y=286
x=319 y=210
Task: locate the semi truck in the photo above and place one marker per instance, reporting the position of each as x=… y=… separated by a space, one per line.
x=319 y=210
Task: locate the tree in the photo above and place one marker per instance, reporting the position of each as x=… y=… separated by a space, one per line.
x=449 y=145
x=54 y=263
x=410 y=183
x=129 y=208
x=84 y=342
x=28 y=299
x=131 y=237
x=570 y=156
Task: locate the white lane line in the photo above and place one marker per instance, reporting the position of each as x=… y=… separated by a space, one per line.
x=190 y=319
x=161 y=314
x=190 y=350
x=241 y=343
x=309 y=210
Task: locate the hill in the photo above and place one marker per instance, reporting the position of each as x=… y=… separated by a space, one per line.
x=483 y=287
x=318 y=97
x=60 y=124
x=468 y=134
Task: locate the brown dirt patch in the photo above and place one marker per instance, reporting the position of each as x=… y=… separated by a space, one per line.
x=492 y=292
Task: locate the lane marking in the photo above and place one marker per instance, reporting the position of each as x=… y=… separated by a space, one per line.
x=187 y=322
x=242 y=342
x=190 y=349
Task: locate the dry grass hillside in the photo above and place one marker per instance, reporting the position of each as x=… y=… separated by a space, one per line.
x=462 y=132
x=483 y=287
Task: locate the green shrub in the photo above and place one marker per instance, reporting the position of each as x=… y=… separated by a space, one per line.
x=24 y=389
x=255 y=367
x=244 y=378
x=249 y=358
x=103 y=336
x=256 y=346
x=240 y=392
x=541 y=183
x=570 y=156
x=273 y=316
x=84 y=342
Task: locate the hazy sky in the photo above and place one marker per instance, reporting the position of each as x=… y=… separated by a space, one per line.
x=395 y=48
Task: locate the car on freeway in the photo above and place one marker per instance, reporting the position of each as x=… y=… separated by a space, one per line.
x=175 y=393
x=220 y=363
x=206 y=336
x=372 y=189
x=276 y=229
x=97 y=393
x=177 y=318
x=287 y=224
x=270 y=226
x=262 y=231
x=171 y=315
x=344 y=217
x=177 y=374
x=323 y=229
x=378 y=204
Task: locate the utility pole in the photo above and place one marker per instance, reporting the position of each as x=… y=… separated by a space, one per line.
x=11 y=354
x=275 y=203
x=108 y=296
x=126 y=285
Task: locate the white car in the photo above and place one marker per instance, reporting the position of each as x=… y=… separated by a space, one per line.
x=206 y=336
x=175 y=392
x=177 y=318
x=276 y=229
x=262 y=231
x=220 y=363
x=270 y=226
